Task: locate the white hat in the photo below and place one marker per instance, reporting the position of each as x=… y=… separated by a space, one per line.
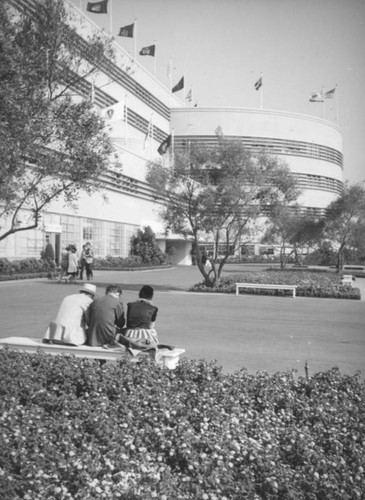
x=88 y=288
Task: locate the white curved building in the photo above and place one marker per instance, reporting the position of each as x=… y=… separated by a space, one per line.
x=311 y=147
x=141 y=113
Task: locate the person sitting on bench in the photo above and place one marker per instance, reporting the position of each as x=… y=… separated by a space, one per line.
x=141 y=317
x=104 y=317
x=70 y=323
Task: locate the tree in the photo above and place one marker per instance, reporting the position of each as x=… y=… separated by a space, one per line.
x=345 y=220
x=292 y=231
x=218 y=193
x=144 y=245
x=51 y=144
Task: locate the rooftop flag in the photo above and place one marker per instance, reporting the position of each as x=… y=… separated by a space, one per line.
x=163 y=147
x=127 y=31
x=258 y=84
x=317 y=97
x=97 y=7
x=178 y=86
x=330 y=94
x=148 y=51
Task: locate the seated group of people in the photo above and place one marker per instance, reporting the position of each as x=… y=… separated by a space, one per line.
x=102 y=321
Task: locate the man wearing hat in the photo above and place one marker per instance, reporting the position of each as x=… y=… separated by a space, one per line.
x=70 y=323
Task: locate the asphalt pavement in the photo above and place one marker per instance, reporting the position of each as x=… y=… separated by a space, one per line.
x=240 y=332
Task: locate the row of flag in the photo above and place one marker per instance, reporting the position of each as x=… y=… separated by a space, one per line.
x=322 y=95
x=129 y=31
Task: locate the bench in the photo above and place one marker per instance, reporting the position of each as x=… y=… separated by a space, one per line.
x=347 y=279
x=267 y=286
x=166 y=357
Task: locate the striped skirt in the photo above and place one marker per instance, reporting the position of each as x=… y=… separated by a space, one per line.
x=141 y=334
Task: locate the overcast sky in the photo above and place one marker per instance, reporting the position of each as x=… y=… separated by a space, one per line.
x=221 y=47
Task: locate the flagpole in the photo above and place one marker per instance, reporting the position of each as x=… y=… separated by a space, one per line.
x=170 y=73
x=172 y=144
x=154 y=59
x=151 y=140
x=125 y=119
x=111 y=18
x=262 y=93
x=337 y=112
x=324 y=105
x=135 y=39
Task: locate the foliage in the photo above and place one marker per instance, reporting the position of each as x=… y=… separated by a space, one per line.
x=72 y=429
x=51 y=145
x=25 y=266
x=217 y=194
x=345 y=221
x=293 y=231
x=145 y=246
x=309 y=283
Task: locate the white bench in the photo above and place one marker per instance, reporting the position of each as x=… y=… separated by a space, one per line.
x=347 y=279
x=267 y=286
x=166 y=357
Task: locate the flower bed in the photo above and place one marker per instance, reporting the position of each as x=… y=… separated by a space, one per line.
x=73 y=429
x=309 y=283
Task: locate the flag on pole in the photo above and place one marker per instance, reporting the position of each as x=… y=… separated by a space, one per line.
x=317 y=97
x=97 y=7
x=178 y=86
x=127 y=31
x=164 y=146
x=189 y=96
x=148 y=51
x=149 y=131
x=113 y=113
x=330 y=94
x=258 y=84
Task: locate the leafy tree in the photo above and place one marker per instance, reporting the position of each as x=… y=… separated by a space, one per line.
x=345 y=221
x=218 y=193
x=51 y=144
x=293 y=232
x=144 y=245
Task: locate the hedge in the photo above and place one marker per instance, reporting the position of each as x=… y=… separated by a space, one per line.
x=72 y=429
x=310 y=284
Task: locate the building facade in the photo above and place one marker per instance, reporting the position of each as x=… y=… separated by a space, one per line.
x=140 y=113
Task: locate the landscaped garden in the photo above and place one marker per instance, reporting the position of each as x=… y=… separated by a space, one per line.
x=309 y=283
x=73 y=429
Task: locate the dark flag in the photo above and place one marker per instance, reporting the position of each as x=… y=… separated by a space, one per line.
x=178 y=86
x=258 y=84
x=97 y=7
x=148 y=51
x=163 y=147
x=127 y=30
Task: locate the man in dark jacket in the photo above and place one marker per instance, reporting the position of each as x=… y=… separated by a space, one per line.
x=104 y=316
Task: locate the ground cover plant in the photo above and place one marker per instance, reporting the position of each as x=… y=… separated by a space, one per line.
x=309 y=283
x=70 y=428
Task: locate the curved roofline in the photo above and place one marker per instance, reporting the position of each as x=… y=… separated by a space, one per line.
x=259 y=111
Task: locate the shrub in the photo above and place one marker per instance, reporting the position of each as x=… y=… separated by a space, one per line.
x=25 y=266
x=310 y=283
x=73 y=429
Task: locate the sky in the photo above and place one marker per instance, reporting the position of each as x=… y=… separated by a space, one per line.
x=222 y=47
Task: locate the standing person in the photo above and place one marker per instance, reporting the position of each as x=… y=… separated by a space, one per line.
x=63 y=264
x=82 y=262
x=89 y=260
x=105 y=315
x=141 y=317
x=70 y=323
x=73 y=264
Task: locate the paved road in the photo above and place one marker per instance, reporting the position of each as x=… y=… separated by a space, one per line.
x=252 y=332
